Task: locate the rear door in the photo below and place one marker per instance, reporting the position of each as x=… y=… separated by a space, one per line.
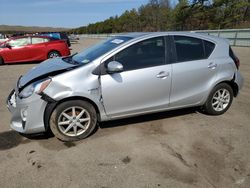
x=145 y=83
x=193 y=71
x=38 y=48
x=18 y=51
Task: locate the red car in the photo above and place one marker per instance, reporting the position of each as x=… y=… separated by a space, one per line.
x=32 y=48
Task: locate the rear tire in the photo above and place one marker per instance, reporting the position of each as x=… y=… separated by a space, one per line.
x=53 y=54
x=219 y=100
x=73 y=120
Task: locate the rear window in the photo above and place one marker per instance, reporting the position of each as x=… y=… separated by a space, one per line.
x=234 y=57
x=188 y=48
x=231 y=54
x=64 y=36
x=209 y=47
x=52 y=35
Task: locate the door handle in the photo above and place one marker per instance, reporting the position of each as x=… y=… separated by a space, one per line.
x=212 y=65
x=162 y=74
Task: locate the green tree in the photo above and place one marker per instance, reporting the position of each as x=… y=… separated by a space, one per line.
x=181 y=14
x=158 y=15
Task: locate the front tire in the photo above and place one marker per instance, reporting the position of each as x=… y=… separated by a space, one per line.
x=219 y=100
x=73 y=120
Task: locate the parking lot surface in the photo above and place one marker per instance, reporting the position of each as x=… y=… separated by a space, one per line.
x=182 y=148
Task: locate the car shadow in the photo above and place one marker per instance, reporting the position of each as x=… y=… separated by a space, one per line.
x=148 y=117
x=11 y=139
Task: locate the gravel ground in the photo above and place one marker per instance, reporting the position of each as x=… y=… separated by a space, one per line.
x=182 y=148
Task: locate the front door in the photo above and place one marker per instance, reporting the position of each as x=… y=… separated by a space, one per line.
x=145 y=83
x=38 y=49
x=18 y=51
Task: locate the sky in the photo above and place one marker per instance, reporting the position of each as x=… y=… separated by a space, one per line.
x=62 y=13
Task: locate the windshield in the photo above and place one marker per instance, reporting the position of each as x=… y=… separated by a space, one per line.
x=97 y=50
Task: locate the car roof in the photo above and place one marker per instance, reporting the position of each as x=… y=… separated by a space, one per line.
x=133 y=34
x=18 y=37
x=136 y=35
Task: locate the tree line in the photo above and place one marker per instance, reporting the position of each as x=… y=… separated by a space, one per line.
x=159 y=15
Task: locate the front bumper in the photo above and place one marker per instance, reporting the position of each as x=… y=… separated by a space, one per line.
x=27 y=114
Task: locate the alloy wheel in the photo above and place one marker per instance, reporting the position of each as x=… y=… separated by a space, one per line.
x=221 y=100
x=74 y=121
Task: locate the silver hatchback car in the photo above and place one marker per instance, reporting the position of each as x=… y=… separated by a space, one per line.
x=125 y=76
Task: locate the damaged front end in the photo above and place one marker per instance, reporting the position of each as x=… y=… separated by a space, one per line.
x=35 y=97
x=27 y=101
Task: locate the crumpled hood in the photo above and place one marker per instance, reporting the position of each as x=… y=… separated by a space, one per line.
x=50 y=67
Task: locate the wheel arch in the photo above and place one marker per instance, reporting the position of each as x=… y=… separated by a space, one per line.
x=52 y=105
x=208 y=105
x=233 y=85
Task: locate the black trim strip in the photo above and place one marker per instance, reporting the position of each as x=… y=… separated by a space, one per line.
x=47 y=98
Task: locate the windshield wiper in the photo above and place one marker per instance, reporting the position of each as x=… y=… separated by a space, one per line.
x=73 y=54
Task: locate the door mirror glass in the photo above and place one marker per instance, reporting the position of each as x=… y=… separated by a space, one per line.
x=114 y=67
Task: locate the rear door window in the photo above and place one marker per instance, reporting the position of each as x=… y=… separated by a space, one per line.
x=188 y=48
x=37 y=40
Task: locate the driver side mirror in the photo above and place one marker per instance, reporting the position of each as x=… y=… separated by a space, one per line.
x=114 y=67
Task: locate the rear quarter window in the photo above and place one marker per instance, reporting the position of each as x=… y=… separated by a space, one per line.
x=209 y=48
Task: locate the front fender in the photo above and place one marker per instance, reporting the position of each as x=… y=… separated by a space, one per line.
x=78 y=83
x=93 y=96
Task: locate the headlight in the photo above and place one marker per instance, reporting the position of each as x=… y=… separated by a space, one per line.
x=27 y=91
x=37 y=87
